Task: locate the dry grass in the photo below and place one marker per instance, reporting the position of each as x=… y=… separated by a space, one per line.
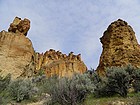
x=132 y=99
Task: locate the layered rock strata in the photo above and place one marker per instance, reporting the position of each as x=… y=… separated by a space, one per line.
x=120 y=47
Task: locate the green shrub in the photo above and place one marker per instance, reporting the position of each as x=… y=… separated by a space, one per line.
x=135 y=77
x=21 y=89
x=95 y=78
x=44 y=84
x=70 y=91
x=102 y=90
x=4 y=95
x=4 y=82
x=118 y=80
x=136 y=80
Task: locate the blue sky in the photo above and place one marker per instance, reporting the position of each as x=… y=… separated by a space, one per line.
x=70 y=25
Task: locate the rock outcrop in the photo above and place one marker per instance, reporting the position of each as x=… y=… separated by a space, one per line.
x=20 y=26
x=56 y=63
x=120 y=47
x=16 y=50
x=18 y=57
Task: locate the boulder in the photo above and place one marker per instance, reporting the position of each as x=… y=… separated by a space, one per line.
x=20 y=26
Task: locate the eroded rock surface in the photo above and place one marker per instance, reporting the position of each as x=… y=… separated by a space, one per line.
x=54 y=62
x=19 y=26
x=16 y=50
x=120 y=46
x=18 y=57
x=16 y=53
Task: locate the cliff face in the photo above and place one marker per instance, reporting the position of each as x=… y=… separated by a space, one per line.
x=16 y=52
x=18 y=57
x=120 y=47
x=54 y=62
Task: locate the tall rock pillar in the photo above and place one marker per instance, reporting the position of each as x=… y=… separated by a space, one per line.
x=120 y=47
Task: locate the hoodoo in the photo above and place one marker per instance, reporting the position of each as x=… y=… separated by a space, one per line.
x=120 y=47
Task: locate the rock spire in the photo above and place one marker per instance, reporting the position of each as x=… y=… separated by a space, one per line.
x=120 y=46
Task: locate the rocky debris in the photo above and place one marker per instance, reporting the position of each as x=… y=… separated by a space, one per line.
x=120 y=47
x=32 y=103
x=120 y=103
x=117 y=103
x=54 y=62
x=20 y=26
x=16 y=51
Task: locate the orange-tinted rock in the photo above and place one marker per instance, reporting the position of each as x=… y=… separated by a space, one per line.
x=20 y=26
x=16 y=50
x=120 y=47
x=18 y=58
x=54 y=62
x=16 y=54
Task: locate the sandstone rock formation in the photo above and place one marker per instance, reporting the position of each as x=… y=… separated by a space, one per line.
x=20 y=26
x=54 y=62
x=19 y=58
x=16 y=50
x=120 y=47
